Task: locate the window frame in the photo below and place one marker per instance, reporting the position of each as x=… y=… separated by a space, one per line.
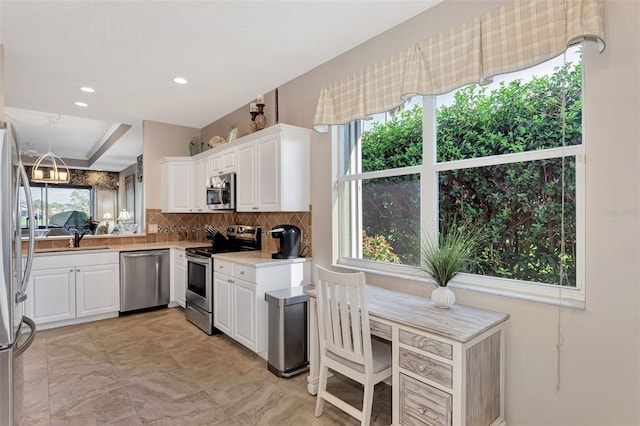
x=47 y=186
x=574 y=297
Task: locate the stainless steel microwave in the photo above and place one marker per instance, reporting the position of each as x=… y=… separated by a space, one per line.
x=221 y=192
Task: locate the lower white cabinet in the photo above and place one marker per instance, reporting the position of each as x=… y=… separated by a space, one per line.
x=239 y=307
x=178 y=277
x=70 y=288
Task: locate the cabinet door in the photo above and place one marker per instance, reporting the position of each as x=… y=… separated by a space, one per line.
x=246 y=185
x=222 y=294
x=177 y=181
x=215 y=164
x=180 y=278
x=201 y=174
x=51 y=295
x=229 y=160
x=97 y=290
x=244 y=313
x=269 y=174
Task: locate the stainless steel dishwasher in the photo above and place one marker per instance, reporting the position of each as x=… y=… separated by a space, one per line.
x=144 y=279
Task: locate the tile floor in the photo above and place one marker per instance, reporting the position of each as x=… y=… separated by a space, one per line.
x=156 y=368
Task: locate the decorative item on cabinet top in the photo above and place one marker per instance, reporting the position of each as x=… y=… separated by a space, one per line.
x=196 y=146
x=216 y=141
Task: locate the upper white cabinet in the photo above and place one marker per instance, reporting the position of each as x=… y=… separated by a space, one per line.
x=273 y=170
x=177 y=178
x=201 y=175
x=223 y=162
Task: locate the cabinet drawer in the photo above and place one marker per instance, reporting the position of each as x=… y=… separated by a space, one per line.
x=246 y=273
x=222 y=266
x=421 y=404
x=426 y=344
x=426 y=367
x=379 y=329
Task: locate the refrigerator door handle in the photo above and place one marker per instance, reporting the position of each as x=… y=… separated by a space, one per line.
x=20 y=348
x=24 y=280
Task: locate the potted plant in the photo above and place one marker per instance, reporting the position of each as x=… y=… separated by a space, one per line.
x=443 y=258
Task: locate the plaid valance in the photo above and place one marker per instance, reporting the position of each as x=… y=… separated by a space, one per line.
x=515 y=36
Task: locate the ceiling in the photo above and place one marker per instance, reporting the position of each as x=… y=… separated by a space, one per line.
x=130 y=52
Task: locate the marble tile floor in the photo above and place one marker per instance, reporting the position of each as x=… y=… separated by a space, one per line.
x=156 y=368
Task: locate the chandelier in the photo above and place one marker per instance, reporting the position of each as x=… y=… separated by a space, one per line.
x=50 y=168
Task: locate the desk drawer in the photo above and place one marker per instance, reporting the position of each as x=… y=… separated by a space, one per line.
x=379 y=329
x=426 y=344
x=426 y=367
x=421 y=404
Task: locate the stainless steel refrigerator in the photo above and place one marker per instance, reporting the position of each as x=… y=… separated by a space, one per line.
x=16 y=330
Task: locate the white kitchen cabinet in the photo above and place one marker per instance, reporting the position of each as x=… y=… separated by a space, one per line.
x=222 y=299
x=177 y=182
x=97 y=289
x=51 y=295
x=244 y=311
x=179 y=277
x=273 y=170
x=201 y=175
x=223 y=162
x=246 y=179
x=240 y=309
x=68 y=288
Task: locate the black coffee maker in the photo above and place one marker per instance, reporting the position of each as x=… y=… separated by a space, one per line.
x=289 y=245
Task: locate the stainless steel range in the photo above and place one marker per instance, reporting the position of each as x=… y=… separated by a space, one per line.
x=199 y=305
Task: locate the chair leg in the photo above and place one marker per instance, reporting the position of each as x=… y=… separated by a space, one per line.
x=322 y=387
x=367 y=402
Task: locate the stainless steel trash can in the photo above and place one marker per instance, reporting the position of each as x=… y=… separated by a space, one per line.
x=288 y=350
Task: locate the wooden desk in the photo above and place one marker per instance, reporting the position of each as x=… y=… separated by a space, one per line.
x=448 y=364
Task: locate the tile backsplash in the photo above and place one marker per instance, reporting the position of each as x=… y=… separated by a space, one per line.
x=190 y=227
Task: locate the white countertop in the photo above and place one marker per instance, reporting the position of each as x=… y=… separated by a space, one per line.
x=258 y=259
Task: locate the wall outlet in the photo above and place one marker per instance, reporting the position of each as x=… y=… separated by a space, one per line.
x=152 y=228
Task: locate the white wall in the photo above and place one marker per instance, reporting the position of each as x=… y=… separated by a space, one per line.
x=161 y=140
x=599 y=359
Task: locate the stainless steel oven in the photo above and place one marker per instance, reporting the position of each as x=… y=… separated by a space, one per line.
x=221 y=192
x=199 y=303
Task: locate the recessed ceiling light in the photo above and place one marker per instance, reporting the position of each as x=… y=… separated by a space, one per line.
x=180 y=80
x=82 y=104
x=87 y=89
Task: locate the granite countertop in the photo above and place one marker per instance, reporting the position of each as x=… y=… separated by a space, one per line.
x=257 y=259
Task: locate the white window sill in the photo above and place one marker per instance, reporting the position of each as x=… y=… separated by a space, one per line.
x=540 y=293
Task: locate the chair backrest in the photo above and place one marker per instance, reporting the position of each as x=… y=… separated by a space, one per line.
x=343 y=318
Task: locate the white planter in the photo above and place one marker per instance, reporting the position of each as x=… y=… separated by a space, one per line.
x=443 y=297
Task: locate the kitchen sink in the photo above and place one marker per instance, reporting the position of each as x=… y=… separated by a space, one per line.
x=62 y=249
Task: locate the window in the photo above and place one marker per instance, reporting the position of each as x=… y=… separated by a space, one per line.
x=60 y=206
x=508 y=155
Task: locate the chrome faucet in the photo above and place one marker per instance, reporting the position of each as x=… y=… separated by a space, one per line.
x=77 y=237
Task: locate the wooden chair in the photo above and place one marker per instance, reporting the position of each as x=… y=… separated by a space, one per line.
x=346 y=345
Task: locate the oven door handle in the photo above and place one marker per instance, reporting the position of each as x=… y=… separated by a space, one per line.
x=204 y=261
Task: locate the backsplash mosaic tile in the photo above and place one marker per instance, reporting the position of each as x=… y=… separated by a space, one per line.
x=190 y=227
